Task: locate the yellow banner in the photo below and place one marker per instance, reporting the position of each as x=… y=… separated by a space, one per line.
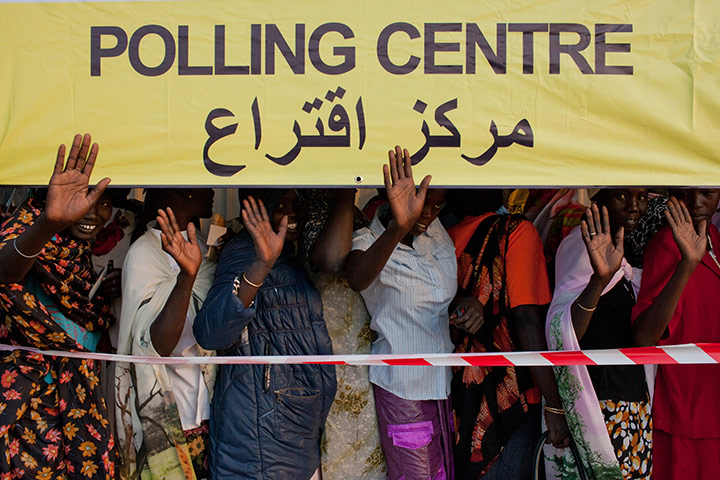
x=211 y=92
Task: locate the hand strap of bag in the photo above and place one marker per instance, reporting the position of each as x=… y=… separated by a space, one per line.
x=582 y=471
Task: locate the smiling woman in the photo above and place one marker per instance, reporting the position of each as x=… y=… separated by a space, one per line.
x=591 y=309
x=45 y=277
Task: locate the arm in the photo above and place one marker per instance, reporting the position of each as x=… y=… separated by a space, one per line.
x=406 y=205
x=224 y=315
x=606 y=256
x=331 y=248
x=529 y=322
x=167 y=327
x=651 y=324
x=68 y=200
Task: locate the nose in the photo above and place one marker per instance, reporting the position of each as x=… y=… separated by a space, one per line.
x=633 y=205
x=695 y=200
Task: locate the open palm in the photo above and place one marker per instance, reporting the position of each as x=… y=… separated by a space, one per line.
x=68 y=199
x=691 y=243
x=268 y=243
x=406 y=203
x=186 y=253
x=606 y=253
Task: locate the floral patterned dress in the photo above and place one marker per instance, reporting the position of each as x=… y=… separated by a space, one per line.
x=53 y=417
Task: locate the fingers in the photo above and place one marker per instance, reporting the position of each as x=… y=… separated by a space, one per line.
x=386 y=177
x=84 y=147
x=88 y=168
x=165 y=226
x=584 y=230
x=702 y=229
x=255 y=209
x=619 y=237
x=282 y=229
x=249 y=215
x=173 y=221
x=605 y=220
x=597 y=223
x=392 y=162
x=685 y=212
x=422 y=191
x=263 y=212
x=590 y=222
x=191 y=233
x=164 y=240
x=408 y=163
x=97 y=192
x=60 y=160
x=74 y=149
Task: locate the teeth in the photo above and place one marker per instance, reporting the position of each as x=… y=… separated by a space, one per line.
x=292 y=226
x=86 y=227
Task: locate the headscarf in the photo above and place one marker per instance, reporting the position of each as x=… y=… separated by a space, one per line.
x=54 y=407
x=580 y=402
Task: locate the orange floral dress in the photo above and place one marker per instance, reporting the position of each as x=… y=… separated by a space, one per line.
x=53 y=417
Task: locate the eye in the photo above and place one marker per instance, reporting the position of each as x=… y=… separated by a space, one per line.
x=439 y=206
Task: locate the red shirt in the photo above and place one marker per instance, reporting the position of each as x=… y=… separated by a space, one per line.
x=686 y=396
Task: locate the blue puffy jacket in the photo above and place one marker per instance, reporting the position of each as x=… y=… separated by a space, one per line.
x=266 y=421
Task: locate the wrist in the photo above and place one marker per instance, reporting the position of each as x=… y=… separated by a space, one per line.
x=601 y=280
x=53 y=226
x=396 y=230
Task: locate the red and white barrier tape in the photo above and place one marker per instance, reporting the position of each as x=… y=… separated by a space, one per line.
x=694 y=353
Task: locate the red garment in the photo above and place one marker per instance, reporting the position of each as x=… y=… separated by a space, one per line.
x=527 y=280
x=686 y=396
x=678 y=458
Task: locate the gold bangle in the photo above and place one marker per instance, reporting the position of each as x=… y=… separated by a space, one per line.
x=251 y=283
x=556 y=411
x=577 y=302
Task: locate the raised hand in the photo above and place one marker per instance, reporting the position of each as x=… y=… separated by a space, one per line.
x=406 y=203
x=692 y=243
x=268 y=243
x=68 y=199
x=605 y=253
x=186 y=253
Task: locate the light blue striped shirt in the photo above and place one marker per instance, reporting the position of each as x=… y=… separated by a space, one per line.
x=408 y=303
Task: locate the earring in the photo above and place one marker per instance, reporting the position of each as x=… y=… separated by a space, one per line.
x=189 y=195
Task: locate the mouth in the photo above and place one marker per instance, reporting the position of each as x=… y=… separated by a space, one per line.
x=630 y=222
x=86 y=227
x=421 y=227
x=699 y=218
x=292 y=227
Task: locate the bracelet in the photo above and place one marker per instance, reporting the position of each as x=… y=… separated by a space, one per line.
x=22 y=254
x=556 y=411
x=244 y=277
x=577 y=302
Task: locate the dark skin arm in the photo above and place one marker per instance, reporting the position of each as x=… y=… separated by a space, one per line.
x=68 y=200
x=167 y=327
x=268 y=246
x=529 y=321
x=606 y=256
x=651 y=325
x=330 y=251
x=406 y=204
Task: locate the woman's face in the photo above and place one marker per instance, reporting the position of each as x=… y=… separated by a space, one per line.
x=434 y=203
x=94 y=220
x=625 y=206
x=700 y=202
x=291 y=205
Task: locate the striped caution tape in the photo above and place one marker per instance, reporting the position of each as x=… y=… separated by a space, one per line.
x=694 y=353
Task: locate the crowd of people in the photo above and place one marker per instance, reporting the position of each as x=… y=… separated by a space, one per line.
x=306 y=272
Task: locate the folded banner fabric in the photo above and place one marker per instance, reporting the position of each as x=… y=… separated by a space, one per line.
x=270 y=92
x=697 y=353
